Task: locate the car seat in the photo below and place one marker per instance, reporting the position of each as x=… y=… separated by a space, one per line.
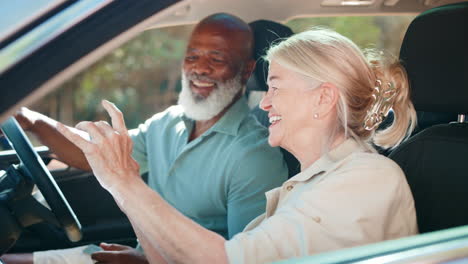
x=435 y=160
x=267 y=33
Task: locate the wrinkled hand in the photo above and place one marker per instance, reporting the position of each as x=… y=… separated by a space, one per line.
x=25 y=118
x=109 y=148
x=115 y=253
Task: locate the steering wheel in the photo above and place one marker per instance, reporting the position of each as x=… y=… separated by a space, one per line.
x=43 y=179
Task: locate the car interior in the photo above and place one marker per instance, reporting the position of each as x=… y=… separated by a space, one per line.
x=435 y=57
x=267 y=33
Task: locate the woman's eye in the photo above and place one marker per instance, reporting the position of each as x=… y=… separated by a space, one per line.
x=272 y=88
x=190 y=58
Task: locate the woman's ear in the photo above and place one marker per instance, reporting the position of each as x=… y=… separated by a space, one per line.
x=328 y=98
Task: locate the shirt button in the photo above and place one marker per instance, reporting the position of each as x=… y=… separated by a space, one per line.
x=317 y=219
x=290 y=187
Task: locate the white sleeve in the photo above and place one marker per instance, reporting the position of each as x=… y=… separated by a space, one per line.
x=62 y=256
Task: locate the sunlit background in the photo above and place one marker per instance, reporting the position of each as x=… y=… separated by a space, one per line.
x=143 y=76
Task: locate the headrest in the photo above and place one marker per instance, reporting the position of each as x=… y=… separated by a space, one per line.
x=435 y=55
x=265 y=33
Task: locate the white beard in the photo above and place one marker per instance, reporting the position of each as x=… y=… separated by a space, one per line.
x=200 y=108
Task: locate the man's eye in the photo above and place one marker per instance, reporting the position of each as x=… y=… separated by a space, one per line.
x=190 y=58
x=215 y=60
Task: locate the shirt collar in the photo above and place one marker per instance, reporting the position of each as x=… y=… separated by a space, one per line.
x=330 y=160
x=229 y=123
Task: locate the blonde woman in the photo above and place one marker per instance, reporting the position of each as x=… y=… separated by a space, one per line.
x=325 y=101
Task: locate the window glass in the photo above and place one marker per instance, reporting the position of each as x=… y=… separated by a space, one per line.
x=143 y=76
x=15 y=14
x=384 y=33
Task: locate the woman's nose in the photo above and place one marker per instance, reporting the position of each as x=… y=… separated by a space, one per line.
x=265 y=103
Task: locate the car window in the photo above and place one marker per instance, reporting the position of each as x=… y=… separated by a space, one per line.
x=381 y=32
x=18 y=13
x=142 y=77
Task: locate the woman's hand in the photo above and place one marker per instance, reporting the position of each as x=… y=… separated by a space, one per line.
x=109 y=149
x=166 y=234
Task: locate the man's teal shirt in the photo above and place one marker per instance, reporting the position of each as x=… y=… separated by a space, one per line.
x=219 y=179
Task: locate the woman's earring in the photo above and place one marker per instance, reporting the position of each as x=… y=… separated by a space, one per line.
x=316 y=116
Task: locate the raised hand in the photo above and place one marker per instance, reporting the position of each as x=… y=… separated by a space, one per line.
x=108 y=150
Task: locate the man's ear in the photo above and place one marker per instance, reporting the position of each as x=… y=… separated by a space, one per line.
x=329 y=96
x=247 y=71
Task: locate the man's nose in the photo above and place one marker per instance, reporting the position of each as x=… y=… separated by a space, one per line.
x=202 y=67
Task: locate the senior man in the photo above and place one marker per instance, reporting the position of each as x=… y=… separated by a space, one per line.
x=206 y=156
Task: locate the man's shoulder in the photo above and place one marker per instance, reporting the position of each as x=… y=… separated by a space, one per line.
x=253 y=137
x=171 y=113
x=250 y=128
x=160 y=121
x=251 y=152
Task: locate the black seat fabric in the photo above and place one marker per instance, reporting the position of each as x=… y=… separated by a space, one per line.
x=435 y=161
x=434 y=52
x=267 y=33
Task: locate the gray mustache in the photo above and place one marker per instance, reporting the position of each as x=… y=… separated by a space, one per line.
x=195 y=77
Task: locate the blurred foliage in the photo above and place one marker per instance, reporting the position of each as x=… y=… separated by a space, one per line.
x=382 y=33
x=143 y=76
x=362 y=30
x=140 y=77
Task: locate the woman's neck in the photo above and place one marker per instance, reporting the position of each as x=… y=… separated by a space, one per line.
x=308 y=149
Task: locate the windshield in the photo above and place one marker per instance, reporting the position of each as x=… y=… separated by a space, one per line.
x=16 y=14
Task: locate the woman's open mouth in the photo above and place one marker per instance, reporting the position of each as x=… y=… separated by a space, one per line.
x=274 y=120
